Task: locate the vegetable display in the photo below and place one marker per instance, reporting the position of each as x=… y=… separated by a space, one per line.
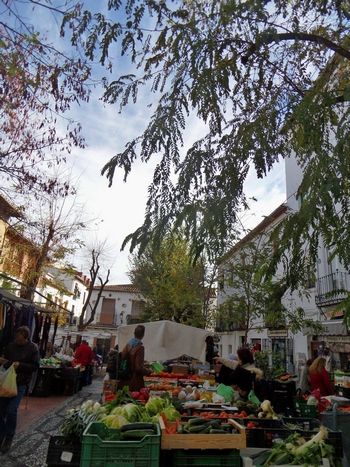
x=295 y=450
x=267 y=411
x=78 y=419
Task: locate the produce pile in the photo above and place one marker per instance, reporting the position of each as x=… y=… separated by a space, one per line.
x=295 y=450
x=123 y=410
x=201 y=426
x=51 y=362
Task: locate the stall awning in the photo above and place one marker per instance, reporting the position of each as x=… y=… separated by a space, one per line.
x=7 y=296
x=165 y=340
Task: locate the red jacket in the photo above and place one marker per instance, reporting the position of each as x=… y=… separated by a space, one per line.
x=84 y=354
x=322 y=382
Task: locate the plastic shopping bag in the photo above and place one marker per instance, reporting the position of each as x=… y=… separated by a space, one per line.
x=8 y=384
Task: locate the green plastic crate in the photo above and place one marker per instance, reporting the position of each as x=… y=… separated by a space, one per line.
x=99 y=453
x=304 y=410
x=205 y=458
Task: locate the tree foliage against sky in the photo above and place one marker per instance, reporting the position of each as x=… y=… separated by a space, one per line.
x=172 y=286
x=38 y=84
x=262 y=76
x=252 y=300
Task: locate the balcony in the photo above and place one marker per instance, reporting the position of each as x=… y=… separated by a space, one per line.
x=332 y=289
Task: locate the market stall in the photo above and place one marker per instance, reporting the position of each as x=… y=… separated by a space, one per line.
x=188 y=419
x=166 y=340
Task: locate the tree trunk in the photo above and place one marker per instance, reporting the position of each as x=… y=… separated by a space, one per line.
x=95 y=267
x=32 y=277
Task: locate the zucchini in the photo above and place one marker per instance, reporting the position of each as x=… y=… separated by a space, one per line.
x=137 y=426
x=136 y=434
x=197 y=428
x=195 y=421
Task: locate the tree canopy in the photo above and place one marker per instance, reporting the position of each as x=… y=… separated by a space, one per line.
x=268 y=78
x=251 y=299
x=172 y=286
x=39 y=84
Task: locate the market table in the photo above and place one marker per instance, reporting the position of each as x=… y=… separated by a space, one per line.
x=56 y=380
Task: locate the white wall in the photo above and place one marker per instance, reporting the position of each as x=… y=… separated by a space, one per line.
x=123 y=304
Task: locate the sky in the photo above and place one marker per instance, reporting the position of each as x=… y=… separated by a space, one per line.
x=119 y=210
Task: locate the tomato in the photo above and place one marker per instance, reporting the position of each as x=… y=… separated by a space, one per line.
x=244 y=414
x=135 y=395
x=251 y=425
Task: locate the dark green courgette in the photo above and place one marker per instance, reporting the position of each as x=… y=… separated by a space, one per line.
x=137 y=426
x=196 y=421
x=197 y=428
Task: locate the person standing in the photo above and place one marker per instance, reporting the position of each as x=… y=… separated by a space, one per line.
x=319 y=378
x=84 y=356
x=112 y=362
x=134 y=352
x=24 y=355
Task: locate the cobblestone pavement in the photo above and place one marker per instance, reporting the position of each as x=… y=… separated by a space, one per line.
x=29 y=448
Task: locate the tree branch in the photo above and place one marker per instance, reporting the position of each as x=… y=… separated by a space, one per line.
x=297 y=36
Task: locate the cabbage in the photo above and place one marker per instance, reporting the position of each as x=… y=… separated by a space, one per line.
x=155 y=405
x=114 y=421
x=131 y=412
x=119 y=421
x=171 y=414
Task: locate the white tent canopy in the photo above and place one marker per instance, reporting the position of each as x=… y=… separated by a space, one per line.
x=165 y=340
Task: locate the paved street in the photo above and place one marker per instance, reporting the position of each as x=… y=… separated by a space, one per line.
x=30 y=444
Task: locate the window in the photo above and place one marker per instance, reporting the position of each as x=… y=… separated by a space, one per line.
x=229 y=349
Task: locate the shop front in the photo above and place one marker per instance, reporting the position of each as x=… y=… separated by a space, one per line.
x=336 y=337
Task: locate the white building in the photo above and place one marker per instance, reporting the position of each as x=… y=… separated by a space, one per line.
x=119 y=304
x=331 y=285
x=331 y=288
x=265 y=338
x=66 y=289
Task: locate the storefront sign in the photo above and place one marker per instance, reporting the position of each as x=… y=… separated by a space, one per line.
x=277 y=333
x=337 y=328
x=342 y=339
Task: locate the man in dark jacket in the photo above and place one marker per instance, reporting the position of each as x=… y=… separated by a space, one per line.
x=24 y=355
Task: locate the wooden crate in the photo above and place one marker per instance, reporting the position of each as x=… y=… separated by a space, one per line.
x=203 y=441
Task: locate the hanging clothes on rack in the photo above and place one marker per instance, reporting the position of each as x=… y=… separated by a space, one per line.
x=8 y=333
x=38 y=326
x=45 y=335
x=54 y=330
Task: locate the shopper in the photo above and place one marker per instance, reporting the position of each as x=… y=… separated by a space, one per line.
x=84 y=356
x=319 y=378
x=112 y=362
x=245 y=360
x=24 y=355
x=134 y=353
x=209 y=351
x=243 y=383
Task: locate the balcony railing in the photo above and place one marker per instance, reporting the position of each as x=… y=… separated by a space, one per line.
x=332 y=289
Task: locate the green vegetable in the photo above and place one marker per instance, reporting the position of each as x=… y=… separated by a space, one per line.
x=155 y=405
x=171 y=414
x=114 y=421
x=197 y=428
x=294 y=450
x=195 y=421
x=137 y=426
